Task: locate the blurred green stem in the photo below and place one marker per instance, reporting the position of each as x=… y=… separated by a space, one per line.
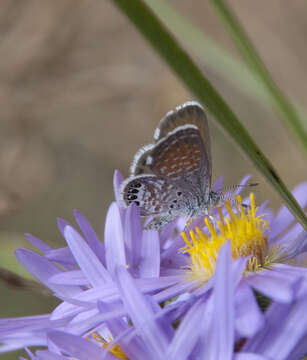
x=179 y=61
x=279 y=100
x=217 y=58
x=18 y=282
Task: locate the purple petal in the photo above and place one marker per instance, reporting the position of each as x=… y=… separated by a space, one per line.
x=219 y=183
x=168 y=254
x=117 y=180
x=74 y=277
x=300 y=349
x=62 y=256
x=85 y=305
x=242 y=183
x=175 y=290
x=249 y=318
x=237 y=269
x=276 y=285
x=284 y=218
x=47 y=355
x=288 y=332
x=250 y=356
x=187 y=334
x=88 y=314
x=222 y=338
x=134 y=348
x=90 y=235
x=177 y=308
x=163 y=321
x=167 y=233
x=113 y=239
x=295 y=245
x=39 y=244
x=43 y=269
x=108 y=293
x=265 y=213
x=75 y=345
x=296 y=272
x=285 y=326
x=86 y=323
x=92 y=268
x=150 y=263
x=21 y=339
x=62 y=225
x=141 y=314
x=28 y=323
x=133 y=235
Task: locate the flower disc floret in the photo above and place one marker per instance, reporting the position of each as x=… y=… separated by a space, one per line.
x=242 y=226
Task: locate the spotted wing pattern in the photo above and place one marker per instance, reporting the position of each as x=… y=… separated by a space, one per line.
x=153 y=195
x=190 y=113
x=181 y=158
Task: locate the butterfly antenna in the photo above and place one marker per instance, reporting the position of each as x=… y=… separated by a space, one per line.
x=231 y=188
x=229 y=193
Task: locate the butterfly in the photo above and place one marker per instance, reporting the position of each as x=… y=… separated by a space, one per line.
x=172 y=177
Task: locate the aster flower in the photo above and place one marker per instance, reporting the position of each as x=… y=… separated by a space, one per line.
x=264 y=240
x=83 y=274
x=267 y=241
x=88 y=280
x=213 y=329
x=207 y=331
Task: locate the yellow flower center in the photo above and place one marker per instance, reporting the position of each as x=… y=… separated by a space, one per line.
x=115 y=350
x=242 y=227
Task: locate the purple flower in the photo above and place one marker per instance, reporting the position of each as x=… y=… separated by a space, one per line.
x=268 y=243
x=207 y=330
x=83 y=274
x=103 y=285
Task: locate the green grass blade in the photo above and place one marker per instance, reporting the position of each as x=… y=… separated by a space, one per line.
x=278 y=99
x=220 y=60
x=180 y=62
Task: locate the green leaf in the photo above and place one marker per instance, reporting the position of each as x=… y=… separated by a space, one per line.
x=182 y=65
x=9 y=242
x=208 y=51
x=278 y=99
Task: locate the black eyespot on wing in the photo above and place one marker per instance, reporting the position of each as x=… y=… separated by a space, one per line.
x=132 y=197
x=134 y=191
x=179 y=193
x=137 y=203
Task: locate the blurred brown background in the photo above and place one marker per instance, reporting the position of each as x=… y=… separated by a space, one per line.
x=81 y=91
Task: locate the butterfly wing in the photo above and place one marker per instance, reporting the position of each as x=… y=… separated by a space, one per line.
x=153 y=195
x=182 y=148
x=139 y=165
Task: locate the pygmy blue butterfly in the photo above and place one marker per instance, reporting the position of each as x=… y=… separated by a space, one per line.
x=172 y=176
